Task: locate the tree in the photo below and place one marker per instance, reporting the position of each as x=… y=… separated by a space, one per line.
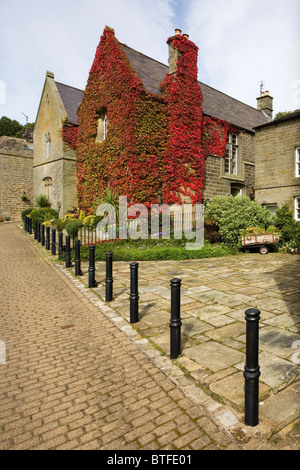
x=9 y=127
x=12 y=128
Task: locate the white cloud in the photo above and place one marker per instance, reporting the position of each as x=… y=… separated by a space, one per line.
x=242 y=42
x=63 y=39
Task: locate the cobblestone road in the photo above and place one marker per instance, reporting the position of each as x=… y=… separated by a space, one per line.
x=72 y=380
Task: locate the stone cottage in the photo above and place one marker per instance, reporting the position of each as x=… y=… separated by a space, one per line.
x=149 y=131
x=54 y=167
x=277 y=171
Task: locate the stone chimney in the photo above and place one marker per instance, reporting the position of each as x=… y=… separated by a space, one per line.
x=173 y=53
x=174 y=48
x=265 y=103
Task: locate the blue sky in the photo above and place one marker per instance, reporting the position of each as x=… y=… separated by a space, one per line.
x=241 y=43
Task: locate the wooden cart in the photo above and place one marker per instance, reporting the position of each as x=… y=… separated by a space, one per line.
x=260 y=241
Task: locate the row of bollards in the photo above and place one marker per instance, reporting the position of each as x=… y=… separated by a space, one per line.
x=252 y=315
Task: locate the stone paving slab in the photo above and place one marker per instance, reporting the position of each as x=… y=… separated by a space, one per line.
x=230 y=286
x=215 y=294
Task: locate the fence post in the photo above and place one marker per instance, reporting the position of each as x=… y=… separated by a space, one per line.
x=252 y=369
x=78 y=271
x=47 y=238
x=26 y=223
x=60 y=245
x=68 y=251
x=109 y=278
x=175 y=322
x=134 y=295
x=53 y=244
x=30 y=225
x=92 y=281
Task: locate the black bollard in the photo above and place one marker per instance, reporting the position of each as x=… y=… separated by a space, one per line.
x=252 y=369
x=68 y=251
x=42 y=234
x=26 y=223
x=109 y=278
x=175 y=322
x=92 y=282
x=30 y=225
x=78 y=271
x=53 y=242
x=39 y=231
x=47 y=238
x=60 y=245
x=134 y=295
x=35 y=230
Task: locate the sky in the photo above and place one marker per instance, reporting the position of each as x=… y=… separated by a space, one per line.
x=241 y=44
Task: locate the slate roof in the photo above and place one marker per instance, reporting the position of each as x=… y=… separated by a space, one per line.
x=71 y=98
x=285 y=117
x=215 y=103
x=152 y=73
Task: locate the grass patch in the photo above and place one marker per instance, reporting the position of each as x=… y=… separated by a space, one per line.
x=155 y=250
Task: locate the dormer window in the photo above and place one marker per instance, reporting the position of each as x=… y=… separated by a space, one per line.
x=102 y=126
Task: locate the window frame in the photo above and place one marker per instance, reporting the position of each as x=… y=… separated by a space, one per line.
x=297 y=208
x=297 y=167
x=231 y=157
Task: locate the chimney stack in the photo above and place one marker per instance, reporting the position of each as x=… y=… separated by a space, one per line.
x=265 y=103
x=174 y=49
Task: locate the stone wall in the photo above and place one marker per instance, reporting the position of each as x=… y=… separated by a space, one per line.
x=16 y=177
x=275 y=180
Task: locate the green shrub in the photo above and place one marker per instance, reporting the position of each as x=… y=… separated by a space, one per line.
x=58 y=224
x=284 y=217
x=289 y=228
x=43 y=214
x=26 y=212
x=73 y=226
x=234 y=214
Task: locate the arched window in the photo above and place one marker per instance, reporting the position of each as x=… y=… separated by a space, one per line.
x=48 y=187
x=102 y=126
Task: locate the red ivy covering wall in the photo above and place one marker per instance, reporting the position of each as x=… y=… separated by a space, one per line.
x=156 y=146
x=183 y=158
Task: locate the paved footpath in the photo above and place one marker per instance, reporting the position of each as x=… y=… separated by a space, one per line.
x=71 y=379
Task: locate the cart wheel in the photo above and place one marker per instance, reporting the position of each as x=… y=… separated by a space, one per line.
x=264 y=250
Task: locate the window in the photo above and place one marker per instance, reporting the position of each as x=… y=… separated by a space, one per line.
x=236 y=191
x=231 y=157
x=297 y=208
x=102 y=126
x=48 y=187
x=298 y=162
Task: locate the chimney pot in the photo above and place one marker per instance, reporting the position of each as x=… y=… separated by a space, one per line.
x=178 y=32
x=186 y=36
